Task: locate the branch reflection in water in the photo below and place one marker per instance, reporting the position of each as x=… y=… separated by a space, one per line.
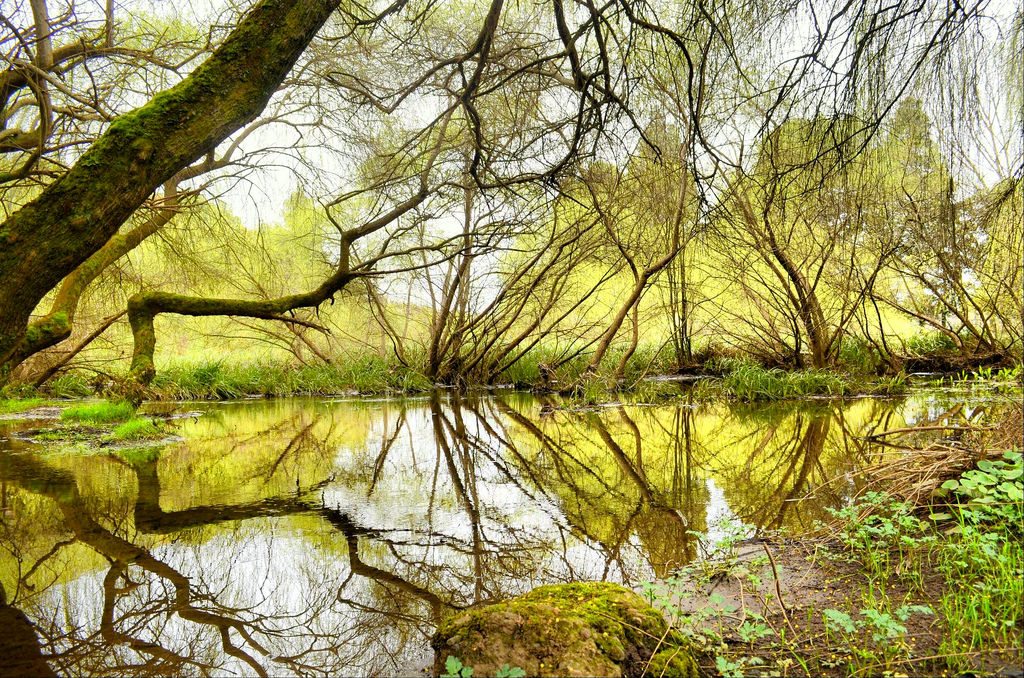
x=313 y=537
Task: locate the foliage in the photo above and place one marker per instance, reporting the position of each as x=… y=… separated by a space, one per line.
x=858 y=355
x=980 y=558
x=992 y=491
x=70 y=385
x=221 y=379
x=961 y=564
x=928 y=343
x=454 y=669
x=891 y=385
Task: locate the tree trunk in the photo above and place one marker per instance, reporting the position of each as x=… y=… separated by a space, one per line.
x=616 y=323
x=620 y=369
x=47 y=239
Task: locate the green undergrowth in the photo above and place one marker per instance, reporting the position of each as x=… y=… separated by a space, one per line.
x=913 y=590
x=71 y=385
x=728 y=374
x=1001 y=379
x=224 y=380
x=99 y=413
x=750 y=382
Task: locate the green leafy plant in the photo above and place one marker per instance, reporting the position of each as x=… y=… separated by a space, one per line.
x=729 y=668
x=992 y=490
x=454 y=668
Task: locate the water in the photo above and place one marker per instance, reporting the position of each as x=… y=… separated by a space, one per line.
x=319 y=536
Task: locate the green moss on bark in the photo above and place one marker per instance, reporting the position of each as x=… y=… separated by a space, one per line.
x=581 y=629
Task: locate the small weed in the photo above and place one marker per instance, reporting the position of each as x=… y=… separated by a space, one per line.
x=454 y=669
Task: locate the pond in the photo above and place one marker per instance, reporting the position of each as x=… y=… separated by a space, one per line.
x=321 y=536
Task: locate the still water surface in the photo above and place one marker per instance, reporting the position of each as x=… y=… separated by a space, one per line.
x=327 y=537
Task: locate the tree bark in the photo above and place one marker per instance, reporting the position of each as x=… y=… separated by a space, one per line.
x=73 y=218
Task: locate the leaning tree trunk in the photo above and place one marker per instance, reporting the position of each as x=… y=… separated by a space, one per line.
x=74 y=217
x=58 y=323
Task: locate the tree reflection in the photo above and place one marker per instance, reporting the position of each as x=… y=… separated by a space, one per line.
x=358 y=528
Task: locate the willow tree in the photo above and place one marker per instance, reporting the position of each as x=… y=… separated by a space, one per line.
x=74 y=217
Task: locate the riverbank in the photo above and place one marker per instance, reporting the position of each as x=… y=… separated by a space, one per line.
x=730 y=378
x=923 y=575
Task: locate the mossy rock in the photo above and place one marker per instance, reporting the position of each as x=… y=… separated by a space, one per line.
x=582 y=629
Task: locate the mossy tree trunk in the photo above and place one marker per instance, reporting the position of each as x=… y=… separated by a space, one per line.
x=73 y=218
x=57 y=324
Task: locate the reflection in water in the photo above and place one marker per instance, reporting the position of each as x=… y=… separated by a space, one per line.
x=314 y=537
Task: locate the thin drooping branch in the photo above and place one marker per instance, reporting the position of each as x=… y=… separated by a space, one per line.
x=145 y=306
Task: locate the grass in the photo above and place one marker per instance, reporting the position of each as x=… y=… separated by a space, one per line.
x=9 y=406
x=925 y=344
x=750 y=382
x=741 y=378
x=974 y=545
x=139 y=428
x=99 y=413
x=70 y=385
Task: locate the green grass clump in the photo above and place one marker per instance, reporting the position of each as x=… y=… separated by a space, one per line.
x=70 y=385
x=858 y=355
x=749 y=382
x=928 y=343
x=530 y=368
x=99 y=413
x=892 y=385
x=139 y=428
x=20 y=405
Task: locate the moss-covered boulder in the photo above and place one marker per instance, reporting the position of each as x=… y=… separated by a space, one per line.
x=583 y=629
